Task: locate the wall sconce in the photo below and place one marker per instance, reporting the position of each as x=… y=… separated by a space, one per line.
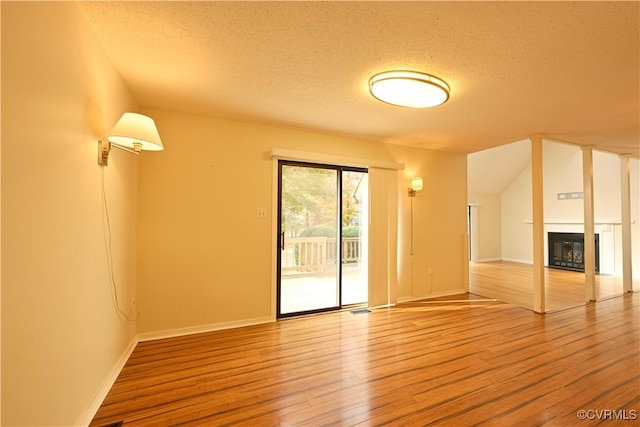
x=133 y=133
x=416 y=185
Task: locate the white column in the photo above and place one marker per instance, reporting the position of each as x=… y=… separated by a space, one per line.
x=589 y=254
x=539 y=302
x=473 y=238
x=625 y=186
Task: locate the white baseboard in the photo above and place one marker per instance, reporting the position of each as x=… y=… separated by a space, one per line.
x=149 y=336
x=91 y=411
x=433 y=295
x=381 y=306
x=488 y=259
x=521 y=261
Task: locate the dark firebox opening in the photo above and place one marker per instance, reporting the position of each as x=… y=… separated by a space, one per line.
x=566 y=251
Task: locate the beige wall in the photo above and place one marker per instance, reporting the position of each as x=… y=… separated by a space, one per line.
x=489 y=223
x=194 y=253
x=206 y=260
x=439 y=263
x=517 y=231
x=61 y=336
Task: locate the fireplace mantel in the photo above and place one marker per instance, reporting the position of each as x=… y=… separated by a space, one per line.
x=610 y=222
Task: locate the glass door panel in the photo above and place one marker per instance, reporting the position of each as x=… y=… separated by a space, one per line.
x=355 y=206
x=309 y=233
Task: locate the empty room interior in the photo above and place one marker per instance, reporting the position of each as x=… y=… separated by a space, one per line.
x=320 y=213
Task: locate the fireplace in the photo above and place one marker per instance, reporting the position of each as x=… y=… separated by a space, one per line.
x=566 y=251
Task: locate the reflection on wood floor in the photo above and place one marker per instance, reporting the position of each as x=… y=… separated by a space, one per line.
x=513 y=283
x=458 y=361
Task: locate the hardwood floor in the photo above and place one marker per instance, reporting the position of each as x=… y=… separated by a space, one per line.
x=513 y=283
x=462 y=361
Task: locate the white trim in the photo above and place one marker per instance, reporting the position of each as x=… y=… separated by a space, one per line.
x=488 y=260
x=150 y=336
x=432 y=295
x=274 y=236
x=519 y=261
x=610 y=222
x=382 y=306
x=97 y=401
x=332 y=159
x=440 y=301
x=93 y=407
x=625 y=208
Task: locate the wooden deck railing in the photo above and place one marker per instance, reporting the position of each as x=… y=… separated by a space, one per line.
x=316 y=253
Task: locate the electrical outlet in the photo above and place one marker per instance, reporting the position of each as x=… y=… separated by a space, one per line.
x=261 y=213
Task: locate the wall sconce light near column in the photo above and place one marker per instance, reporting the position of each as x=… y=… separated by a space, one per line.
x=416 y=185
x=133 y=133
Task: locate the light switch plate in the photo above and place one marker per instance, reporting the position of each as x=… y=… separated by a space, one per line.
x=261 y=213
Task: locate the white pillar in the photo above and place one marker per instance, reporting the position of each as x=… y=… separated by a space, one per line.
x=625 y=186
x=539 y=302
x=589 y=254
x=473 y=237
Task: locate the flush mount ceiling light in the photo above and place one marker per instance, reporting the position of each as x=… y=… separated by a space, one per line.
x=409 y=89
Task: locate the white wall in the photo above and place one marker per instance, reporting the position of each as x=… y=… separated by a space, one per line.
x=61 y=336
x=488 y=236
x=635 y=216
x=562 y=173
x=517 y=230
x=606 y=182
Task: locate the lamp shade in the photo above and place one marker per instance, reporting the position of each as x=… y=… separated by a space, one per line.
x=136 y=131
x=416 y=184
x=409 y=89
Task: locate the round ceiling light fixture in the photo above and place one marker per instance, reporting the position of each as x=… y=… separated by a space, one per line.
x=409 y=89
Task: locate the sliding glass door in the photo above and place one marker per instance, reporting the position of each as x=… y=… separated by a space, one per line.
x=322 y=230
x=355 y=227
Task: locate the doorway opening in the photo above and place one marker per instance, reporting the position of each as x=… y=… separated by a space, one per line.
x=322 y=237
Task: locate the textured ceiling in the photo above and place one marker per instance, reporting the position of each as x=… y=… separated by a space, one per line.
x=568 y=70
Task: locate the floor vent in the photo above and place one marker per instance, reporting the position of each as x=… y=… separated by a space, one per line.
x=118 y=424
x=360 y=311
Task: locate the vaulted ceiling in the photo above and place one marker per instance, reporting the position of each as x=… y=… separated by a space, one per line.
x=568 y=70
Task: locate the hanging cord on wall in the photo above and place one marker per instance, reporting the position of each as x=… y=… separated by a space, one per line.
x=411 y=252
x=107 y=243
x=411 y=249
